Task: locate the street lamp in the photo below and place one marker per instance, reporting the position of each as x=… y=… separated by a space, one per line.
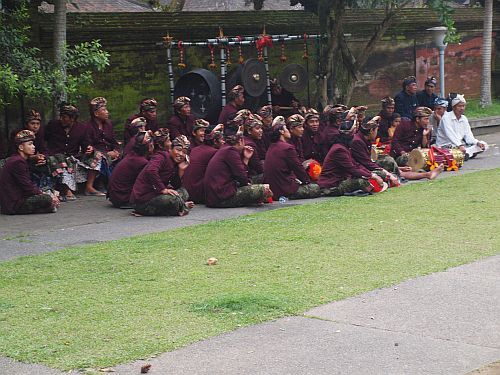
x=439 y=33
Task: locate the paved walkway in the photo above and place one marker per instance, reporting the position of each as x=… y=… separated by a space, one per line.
x=444 y=323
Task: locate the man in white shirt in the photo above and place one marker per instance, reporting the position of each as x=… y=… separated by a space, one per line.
x=454 y=131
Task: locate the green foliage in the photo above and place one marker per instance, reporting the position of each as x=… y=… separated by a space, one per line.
x=24 y=71
x=445 y=12
x=114 y=302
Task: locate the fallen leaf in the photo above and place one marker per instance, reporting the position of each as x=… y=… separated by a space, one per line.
x=145 y=369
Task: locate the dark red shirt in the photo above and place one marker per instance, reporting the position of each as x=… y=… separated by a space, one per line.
x=297 y=143
x=72 y=143
x=160 y=172
x=311 y=143
x=225 y=172
x=150 y=125
x=281 y=167
x=123 y=178
x=16 y=184
x=227 y=113
x=178 y=125
x=255 y=165
x=361 y=152
x=407 y=137
x=195 y=172
x=103 y=139
x=338 y=166
x=328 y=137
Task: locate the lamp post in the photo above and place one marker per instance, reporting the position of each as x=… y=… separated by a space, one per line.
x=439 y=33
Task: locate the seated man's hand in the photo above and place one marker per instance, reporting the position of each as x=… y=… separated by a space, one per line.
x=462 y=148
x=481 y=145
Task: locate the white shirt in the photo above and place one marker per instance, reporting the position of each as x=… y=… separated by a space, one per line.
x=453 y=132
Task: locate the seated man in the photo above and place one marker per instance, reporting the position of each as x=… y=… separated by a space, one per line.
x=126 y=171
x=198 y=162
x=19 y=194
x=40 y=173
x=136 y=126
x=236 y=100
x=67 y=143
x=427 y=97
x=198 y=133
x=311 y=140
x=385 y=114
x=410 y=135
x=226 y=181
x=341 y=174
x=406 y=100
x=454 y=131
x=440 y=106
x=295 y=124
x=182 y=122
x=253 y=135
x=101 y=137
x=283 y=170
x=157 y=190
x=147 y=110
x=284 y=102
x=385 y=166
x=266 y=114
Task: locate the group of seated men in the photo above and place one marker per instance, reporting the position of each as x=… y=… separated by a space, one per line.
x=246 y=159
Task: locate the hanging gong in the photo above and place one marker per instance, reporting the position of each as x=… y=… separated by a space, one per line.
x=203 y=88
x=253 y=77
x=293 y=78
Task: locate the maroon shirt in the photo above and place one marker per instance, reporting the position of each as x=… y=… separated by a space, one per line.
x=384 y=125
x=407 y=137
x=225 y=172
x=328 y=137
x=227 y=113
x=195 y=172
x=261 y=146
x=297 y=143
x=361 y=152
x=281 y=167
x=255 y=165
x=339 y=166
x=104 y=139
x=160 y=173
x=150 y=125
x=178 y=125
x=123 y=178
x=16 y=184
x=311 y=143
x=129 y=146
x=72 y=143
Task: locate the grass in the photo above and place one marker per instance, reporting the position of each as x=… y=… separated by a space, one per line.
x=474 y=110
x=96 y=306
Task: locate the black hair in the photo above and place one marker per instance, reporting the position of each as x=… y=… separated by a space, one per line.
x=275 y=134
x=140 y=148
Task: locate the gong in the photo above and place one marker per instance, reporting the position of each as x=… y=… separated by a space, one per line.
x=203 y=88
x=253 y=77
x=293 y=78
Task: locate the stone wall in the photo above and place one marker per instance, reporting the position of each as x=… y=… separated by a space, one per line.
x=138 y=60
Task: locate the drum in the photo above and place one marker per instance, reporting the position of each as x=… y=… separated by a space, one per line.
x=429 y=158
x=376 y=152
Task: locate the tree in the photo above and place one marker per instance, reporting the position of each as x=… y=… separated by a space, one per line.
x=485 y=99
x=59 y=45
x=23 y=71
x=339 y=67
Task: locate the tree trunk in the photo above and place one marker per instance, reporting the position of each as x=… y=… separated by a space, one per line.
x=486 y=54
x=59 y=41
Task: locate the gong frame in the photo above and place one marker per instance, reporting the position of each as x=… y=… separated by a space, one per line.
x=223 y=41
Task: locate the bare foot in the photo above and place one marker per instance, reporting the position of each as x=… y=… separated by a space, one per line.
x=94 y=192
x=136 y=214
x=436 y=172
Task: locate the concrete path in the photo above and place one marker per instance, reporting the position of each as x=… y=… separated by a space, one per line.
x=444 y=323
x=93 y=219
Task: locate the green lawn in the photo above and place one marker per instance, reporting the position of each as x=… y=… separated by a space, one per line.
x=474 y=110
x=96 y=306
